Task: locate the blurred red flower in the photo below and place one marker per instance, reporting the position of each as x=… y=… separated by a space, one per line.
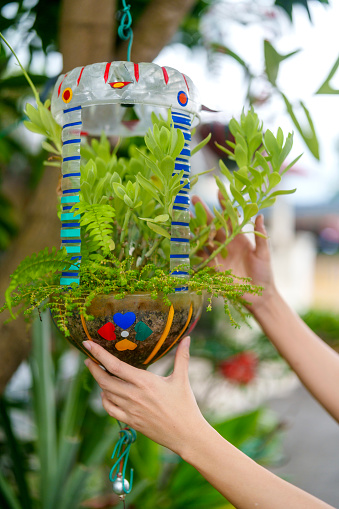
x=240 y=368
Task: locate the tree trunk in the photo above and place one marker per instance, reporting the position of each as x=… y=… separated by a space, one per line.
x=87 y=32
x=155 y=29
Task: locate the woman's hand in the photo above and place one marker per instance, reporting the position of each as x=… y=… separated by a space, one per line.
x=244 y=258
x=162 y=408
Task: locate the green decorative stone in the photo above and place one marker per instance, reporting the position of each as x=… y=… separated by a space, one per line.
x=142 y=330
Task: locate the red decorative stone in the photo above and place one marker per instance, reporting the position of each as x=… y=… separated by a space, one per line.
x=107 y=331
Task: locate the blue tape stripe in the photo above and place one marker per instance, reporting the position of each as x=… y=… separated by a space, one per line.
x=71 y=124
x=182 y=289
x=179 y=272
x=76 y=257
x=184 y=152
x=70 y=233
x=68 y=207
x=71 y=158
x=177 y=126
x=68 y=281
x=180 y=167
x=181 y=120
x=179 y=256
x=187 y=136
x=73 y=249
x=73 y=273
x=74 y=241
x=70 y=225
x=182 y=160
x=69 y=142
x=173 y=239
x=179 y=223
x=68 y=191
x=182 y=192
x=66 y=175
x=182 y=199
x=68 y=216
x=72 y=109
x=70 y=199
x=175 y=207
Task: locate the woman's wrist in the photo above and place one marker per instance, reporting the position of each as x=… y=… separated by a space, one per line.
x=265 y=303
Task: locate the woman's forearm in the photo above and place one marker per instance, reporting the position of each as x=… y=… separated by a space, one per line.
x=238 y=478
x=315 y=363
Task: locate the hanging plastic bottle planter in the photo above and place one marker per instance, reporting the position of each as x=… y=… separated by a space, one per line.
x=102 y=98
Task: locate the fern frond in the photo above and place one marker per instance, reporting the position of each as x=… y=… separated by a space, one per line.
x=97 y=220
x=37 y=266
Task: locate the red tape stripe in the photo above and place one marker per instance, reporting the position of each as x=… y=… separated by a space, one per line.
x=59 y=89
x=165 y=74
x=78 y=81
x=107 y=71
x=136 y=71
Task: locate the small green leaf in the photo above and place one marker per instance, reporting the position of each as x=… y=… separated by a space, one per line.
x=200 y=213
x=225 y=171
x=250 y=210
x=274 y=179
x=158 y=229
x=282 y=192
x=238 y=196
x=201 y=144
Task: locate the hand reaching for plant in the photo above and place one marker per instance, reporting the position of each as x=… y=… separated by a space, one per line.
x=164 y=409
x=244 y=258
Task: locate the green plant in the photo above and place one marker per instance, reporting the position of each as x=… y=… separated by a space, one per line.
x=125 y=213
x=52 y=468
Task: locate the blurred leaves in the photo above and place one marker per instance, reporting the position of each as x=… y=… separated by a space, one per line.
x=326 y=87
x=287 y=5
x=307 y=132
x=273 y=60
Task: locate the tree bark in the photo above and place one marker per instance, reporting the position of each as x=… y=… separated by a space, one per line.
x=87 y=32
x=155 y=29
x=40 y=228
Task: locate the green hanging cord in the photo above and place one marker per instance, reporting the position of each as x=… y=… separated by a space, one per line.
x=124 y=30
x=121 y=452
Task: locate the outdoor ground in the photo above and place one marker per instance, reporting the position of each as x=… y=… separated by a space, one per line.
x=311 y=445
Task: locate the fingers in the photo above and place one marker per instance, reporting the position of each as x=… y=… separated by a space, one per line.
x=106 y=381
x=261 y=244
x=182 y=357
x=112 y=409
x=118 y=368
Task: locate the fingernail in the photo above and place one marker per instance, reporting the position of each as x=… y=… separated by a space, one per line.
x=86 y=362
x=186 y=342
x=87 y=344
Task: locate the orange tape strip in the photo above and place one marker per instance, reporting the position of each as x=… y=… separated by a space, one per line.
x=89 y=337
x=163 y=335
x=181 y=333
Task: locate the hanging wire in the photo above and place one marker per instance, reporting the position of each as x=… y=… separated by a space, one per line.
x=125 y=31
x=121 y=450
